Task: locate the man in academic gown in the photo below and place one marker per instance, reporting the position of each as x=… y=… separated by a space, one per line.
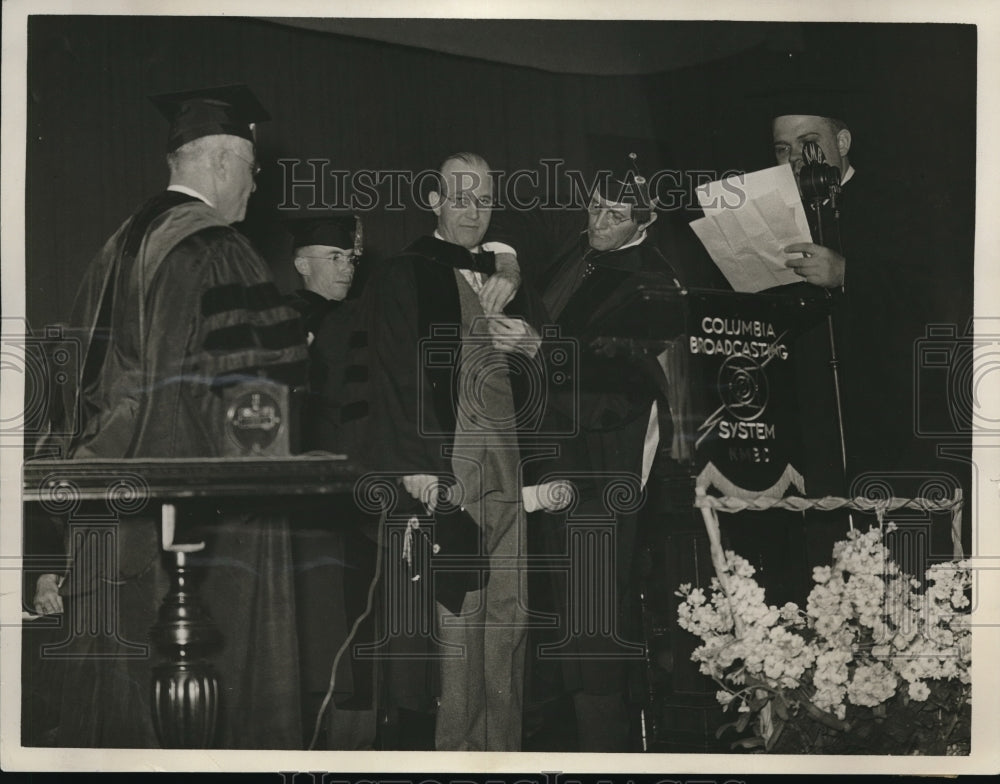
x=444 y=416
x=878 y=261
x=327 y=250
x=868 y=312
x=334 y=541
x=177 y=307
x=621 y=403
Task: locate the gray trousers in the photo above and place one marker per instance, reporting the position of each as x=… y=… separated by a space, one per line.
x=482 y=672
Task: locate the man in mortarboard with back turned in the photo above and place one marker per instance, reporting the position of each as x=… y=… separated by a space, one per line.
x=178 y=308
x=623 y=419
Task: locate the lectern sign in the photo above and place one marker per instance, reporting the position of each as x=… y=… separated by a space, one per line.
x=735 y=364
x=741 y=352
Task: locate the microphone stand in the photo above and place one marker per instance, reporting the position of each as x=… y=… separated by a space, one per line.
x=834 y=189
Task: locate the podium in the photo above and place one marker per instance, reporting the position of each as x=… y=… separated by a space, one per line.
x=108 y=496
x=735 y=366
x=751 y=394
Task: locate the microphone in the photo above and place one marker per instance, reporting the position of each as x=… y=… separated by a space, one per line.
x=813 y=153
x=818 y=180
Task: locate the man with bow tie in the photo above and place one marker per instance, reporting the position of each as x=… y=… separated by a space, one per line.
x=443 y=425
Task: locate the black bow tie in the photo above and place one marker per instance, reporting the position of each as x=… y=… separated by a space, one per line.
x=455 y=255
x=483 y=261
x=478 y=260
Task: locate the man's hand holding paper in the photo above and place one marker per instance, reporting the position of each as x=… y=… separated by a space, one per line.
x=818 y=265
x=750 y=221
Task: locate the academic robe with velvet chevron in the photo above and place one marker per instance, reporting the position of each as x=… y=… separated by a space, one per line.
x=615 y=395
x=610 y=401
x=333 y=540
x=175 y=306
x=413 y=307
x=414 y=317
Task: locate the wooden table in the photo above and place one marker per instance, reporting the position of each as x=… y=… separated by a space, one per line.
x=185 y=688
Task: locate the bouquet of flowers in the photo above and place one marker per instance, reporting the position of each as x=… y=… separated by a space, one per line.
x=876 y=664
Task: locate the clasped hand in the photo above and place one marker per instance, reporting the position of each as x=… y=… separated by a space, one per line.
x=509 y=334
x=502 y=285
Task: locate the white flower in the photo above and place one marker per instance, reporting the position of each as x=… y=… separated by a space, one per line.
x=724 y=697
x=881 y=635
x=919 y=691
x=910 y=670
x=958 y=599
x=871 y=685
x=943 y=638
x=904 y=637
x=866 y=628
x=773 y=667
x=741 y=566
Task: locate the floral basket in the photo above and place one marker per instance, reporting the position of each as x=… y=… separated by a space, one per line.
x=876 y=664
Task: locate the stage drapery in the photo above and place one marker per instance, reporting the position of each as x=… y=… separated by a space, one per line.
x=95 y=142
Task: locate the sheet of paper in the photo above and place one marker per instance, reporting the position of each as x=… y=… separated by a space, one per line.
x=748 y=219
x=733 y=192
x=718 y=248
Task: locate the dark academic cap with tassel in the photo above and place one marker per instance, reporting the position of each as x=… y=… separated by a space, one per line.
x=446 y=549
x=623 y=168
x=337 y=230
x=230 y=109
x=814 y=100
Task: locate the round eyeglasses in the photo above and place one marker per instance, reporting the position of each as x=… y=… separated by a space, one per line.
x=254 y=166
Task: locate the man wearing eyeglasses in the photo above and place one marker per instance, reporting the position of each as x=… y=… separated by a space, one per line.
x=326 y=251
x=621 y=403
x=177 y=307
x=334 y=548
x=444 y=418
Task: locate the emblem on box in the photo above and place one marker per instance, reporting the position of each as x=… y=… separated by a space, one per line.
x=255 y=421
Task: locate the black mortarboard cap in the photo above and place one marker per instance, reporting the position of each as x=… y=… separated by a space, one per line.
x=626 y=184
x=808 y=99
x=208 y=111
x=337 y=230
x=623 y=167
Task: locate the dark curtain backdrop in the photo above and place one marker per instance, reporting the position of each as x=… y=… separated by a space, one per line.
x=95 y=144
x=612 y=47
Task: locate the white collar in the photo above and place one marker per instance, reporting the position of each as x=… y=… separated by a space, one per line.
x=437 y=236
x=189 y=192
x=847 y=174
x=639 y=238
